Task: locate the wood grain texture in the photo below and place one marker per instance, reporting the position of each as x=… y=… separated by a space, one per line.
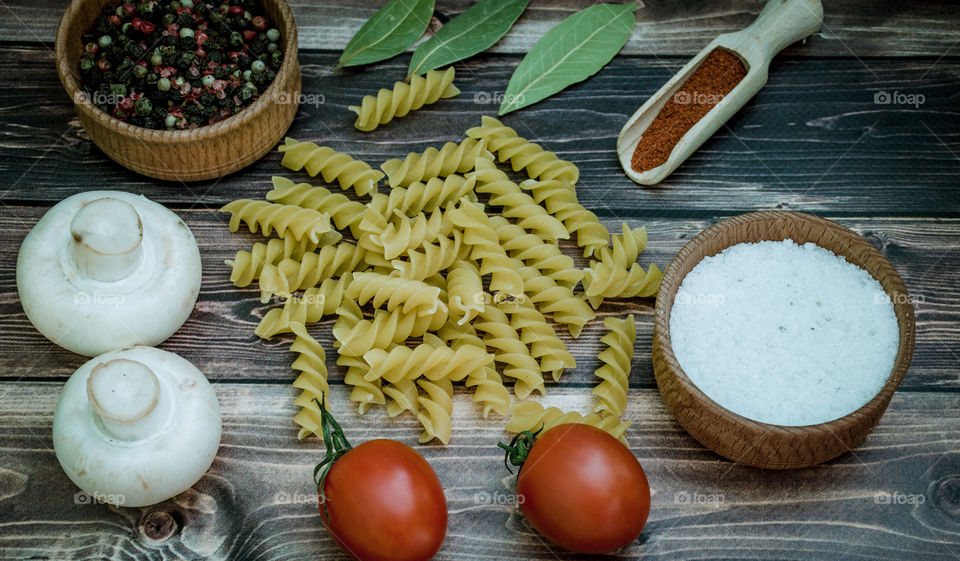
x=257 y=501
x=219 y=337
x=812 y=140
x=664 y=27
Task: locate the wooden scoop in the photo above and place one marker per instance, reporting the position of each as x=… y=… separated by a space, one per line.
x=780 y=23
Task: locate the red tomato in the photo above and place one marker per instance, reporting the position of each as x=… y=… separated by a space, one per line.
x=385 y=503
x=583 y=489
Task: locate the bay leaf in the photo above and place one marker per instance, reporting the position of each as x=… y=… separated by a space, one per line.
x=473 y=31
x=389 y=32
x=575 y=49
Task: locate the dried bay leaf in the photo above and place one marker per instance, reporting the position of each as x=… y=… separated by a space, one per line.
x=575 y=49
x=389 y=32
x=472 y=32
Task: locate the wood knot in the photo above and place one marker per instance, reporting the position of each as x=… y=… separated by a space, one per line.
x=158 y=526
x=945 y=495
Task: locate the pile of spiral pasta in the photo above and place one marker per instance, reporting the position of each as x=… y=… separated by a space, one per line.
x=456 y=290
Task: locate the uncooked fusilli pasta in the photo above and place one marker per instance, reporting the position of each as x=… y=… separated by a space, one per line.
x=451 y=158
x=614 y=374
x=523 y=154
x=332 y=165
x=344 y=213
x=532 y=416
x=301 y=223
x=378 y=110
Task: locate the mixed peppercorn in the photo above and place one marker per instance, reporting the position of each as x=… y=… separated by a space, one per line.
x=179 y=64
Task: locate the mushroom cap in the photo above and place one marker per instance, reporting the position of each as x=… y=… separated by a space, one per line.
x=147 y=470
x=90 y=316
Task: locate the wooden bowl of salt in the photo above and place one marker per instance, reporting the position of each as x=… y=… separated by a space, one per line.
x=780 y=338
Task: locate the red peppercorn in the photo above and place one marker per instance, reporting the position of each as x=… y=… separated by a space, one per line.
x=103 y=64
x=147 y=28
x=259 y=23
x=200 y=37
x=249 y=34
x=114 y=19
x=236 y=10
x=200 y=53
x=129 y=9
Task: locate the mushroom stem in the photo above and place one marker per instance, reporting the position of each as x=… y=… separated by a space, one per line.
x=107 y=235
x=127 y=399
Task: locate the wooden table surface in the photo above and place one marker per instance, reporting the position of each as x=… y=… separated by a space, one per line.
x=813 y=140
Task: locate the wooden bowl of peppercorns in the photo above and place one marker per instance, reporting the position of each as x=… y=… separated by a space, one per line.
x=181 y=90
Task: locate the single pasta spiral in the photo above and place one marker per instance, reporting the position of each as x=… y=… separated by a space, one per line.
x=301 y=223
x=334 y=166
x=397 y=293
x=374 y=111
x=510 y=351
x=427 y=360
x=310 y=307
x=451 y=158
x=311 y=363
x=540 y=337
x=614 y=374
x=552 y=298
x=534 y=252
x=465 y=295
x=291 y=275
x=344 y=213
x=435 y=410
x=358 y=336
x=560 y=200
x=517 y=205
x=523 y=154
x=436 y=193
x=532 y=416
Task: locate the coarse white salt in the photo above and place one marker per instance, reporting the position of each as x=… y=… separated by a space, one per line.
x=783 y=333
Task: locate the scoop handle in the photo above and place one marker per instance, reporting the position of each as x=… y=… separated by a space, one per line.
x=782 y=22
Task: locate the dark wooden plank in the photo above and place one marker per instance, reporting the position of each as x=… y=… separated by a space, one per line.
x=258 y=502
x=851 y=27
x=219 y=337
x=812 y=140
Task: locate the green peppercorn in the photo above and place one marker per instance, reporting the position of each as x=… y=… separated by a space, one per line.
x=179 y=81
x=273 y=34
x=156 y=58
x=186 y=32
x=105 y=41
x=168 y=19
x=170 y=121
x=236 y=39
x=143 y=106
x=118 y=90
x=258 y=66
x=87 y=63
x=246 y=75
x=140 y=72
x=152 y=78
x=163 y=84
x=186 y=3
x=208 y=80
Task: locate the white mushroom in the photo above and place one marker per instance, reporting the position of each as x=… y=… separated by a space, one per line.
x=137 y=426
x=106 y=270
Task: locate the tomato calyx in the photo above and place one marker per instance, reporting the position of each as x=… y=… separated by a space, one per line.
x=336 y=444
x=519 y=448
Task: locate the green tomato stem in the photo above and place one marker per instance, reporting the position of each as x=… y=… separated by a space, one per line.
x=519 y=448
x=336 y=444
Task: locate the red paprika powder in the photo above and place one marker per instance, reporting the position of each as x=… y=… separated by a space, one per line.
x=716 y=76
